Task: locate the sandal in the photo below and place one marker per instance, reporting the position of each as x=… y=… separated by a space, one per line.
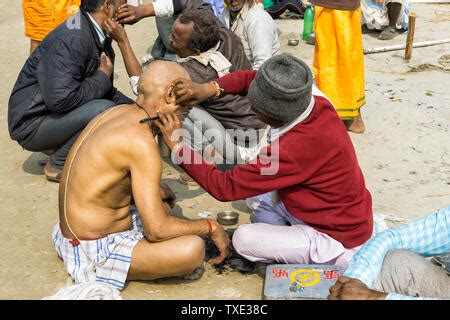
x=52 y=173
x=388 y=33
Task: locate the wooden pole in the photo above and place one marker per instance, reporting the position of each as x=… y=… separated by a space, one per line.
x=410 y=38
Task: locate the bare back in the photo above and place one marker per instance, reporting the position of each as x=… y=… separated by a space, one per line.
x=95 y=188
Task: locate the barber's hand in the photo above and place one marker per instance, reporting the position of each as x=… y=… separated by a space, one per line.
x=128 y=14
x=167 y=195
x=220 y=238
x=170 y=127
x=115 y=30
x=106 y=65
x=190 y=93
x=353 y=289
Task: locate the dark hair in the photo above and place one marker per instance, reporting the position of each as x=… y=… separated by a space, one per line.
x=205 y=33
x=93 y=5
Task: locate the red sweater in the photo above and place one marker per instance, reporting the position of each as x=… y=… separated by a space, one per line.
x=319 y=179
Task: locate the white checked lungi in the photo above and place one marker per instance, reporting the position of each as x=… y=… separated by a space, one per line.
x=112 y=254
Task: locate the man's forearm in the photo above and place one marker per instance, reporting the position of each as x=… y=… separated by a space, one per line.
x=131 y=62
x=147 y=10
x=173 y=227
x=237 y=82
x=178 y=227
x=366 y=263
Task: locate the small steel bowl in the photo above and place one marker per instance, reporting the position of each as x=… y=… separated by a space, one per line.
x=227 y=218
x=293 y=42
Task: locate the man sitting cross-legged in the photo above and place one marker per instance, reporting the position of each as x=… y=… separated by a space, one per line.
x=115 y=221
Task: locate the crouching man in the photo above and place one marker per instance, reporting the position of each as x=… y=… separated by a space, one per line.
x=308 y=194
x=115 y=220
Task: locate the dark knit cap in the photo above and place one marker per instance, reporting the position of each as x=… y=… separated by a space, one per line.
x=282 y=88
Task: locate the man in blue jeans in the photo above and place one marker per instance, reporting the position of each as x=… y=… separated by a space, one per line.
x=65 y=83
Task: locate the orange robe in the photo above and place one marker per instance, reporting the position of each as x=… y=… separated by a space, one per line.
x=42 y=16
x=339 y=59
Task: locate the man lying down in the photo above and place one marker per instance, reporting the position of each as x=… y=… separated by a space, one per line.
x=115 y=218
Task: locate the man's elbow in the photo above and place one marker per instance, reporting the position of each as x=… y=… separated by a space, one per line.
x=223 y=197
x=259 y=60
x=154 y=234
x=58 y=105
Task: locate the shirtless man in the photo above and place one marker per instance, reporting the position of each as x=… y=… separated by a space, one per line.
x=115 y=221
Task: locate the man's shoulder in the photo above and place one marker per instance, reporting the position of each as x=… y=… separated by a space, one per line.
x=74 y=30
x=136 y=137
x=232 y=48
x=120 y=125
x=255 y=13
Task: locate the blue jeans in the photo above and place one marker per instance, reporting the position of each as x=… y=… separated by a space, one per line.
x=59 y=131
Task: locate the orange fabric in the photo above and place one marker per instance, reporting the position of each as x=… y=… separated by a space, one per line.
x=42 y=16
x=339 y=59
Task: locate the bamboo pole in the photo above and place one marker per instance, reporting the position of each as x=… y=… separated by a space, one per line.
x=402 y=46
x=410 y=38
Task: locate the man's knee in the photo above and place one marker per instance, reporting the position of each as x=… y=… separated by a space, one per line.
x=194 y=250
x=400 y=258
x=398 y=263
x=99 y=105
x=408 y=273
x=244 y=239
x=84 y=114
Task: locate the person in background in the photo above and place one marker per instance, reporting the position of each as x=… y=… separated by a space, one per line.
x=207 y=50
x=256 y=29
x=217 y=5
x=392 y=265
x=339 y=59
x=277 y=7
x=165 y=13
x=42 y=16
x=390 y=16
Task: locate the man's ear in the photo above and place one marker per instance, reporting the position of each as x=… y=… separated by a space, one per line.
x=169 y=95
x=107 y=6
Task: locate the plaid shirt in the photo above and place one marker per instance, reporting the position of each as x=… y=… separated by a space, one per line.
x=428 y=236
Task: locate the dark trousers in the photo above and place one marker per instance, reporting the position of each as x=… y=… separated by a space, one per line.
x=59 y=131
x=279 y=8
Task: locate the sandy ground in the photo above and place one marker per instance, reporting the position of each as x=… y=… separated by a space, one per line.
x=404 y=155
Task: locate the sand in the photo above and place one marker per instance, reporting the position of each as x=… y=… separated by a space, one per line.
x=404 y=154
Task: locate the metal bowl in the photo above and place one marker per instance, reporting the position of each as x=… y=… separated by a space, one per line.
x=293 y=42
x=227 y=218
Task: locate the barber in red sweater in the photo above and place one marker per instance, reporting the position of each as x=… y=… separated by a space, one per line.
x=306 y=188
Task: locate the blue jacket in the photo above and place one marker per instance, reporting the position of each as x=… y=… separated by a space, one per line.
x=59 y=76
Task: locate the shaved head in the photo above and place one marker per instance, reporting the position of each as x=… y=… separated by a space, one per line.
x=156 y=84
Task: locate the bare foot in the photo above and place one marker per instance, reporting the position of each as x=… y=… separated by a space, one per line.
x=355 y=126
x=196 y=274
